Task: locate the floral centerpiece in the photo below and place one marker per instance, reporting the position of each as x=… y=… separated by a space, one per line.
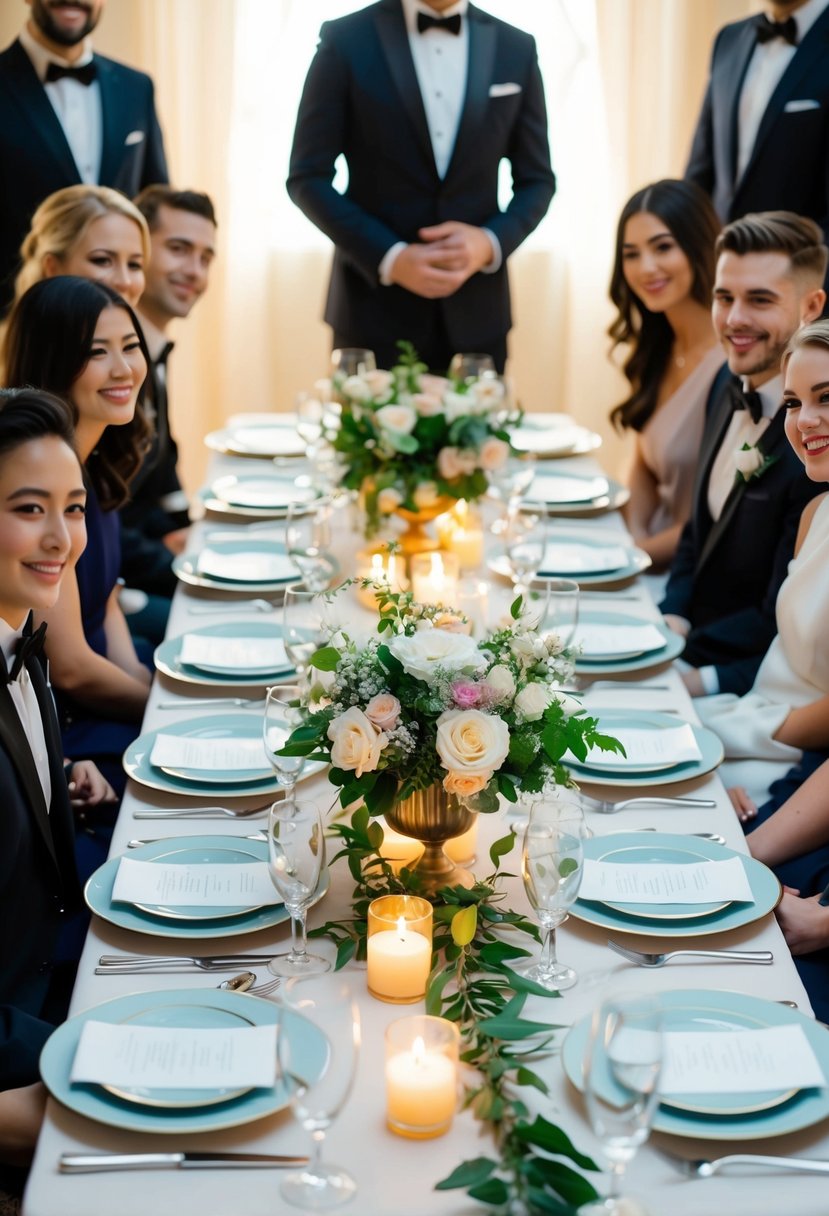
x=414 y=442
x=423 y=704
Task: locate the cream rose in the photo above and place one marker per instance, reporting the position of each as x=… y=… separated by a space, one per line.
x=427 y=404
x=488 y=392
x=748 y=460
x=493 y=454
x=389 y=500
x=468 y=460
x=383 y=711
x=434 y=385
x=501 y=680
x=426 y=494
x=471 y=742
x=380 y=382
x=451 y=623
x=532 y=700
x=456 y=405
x=396 y=419
x=569 y=704
x=465 y=784
x=422 y=653
x=449 y=466
x=357 y=388
x=355 y=743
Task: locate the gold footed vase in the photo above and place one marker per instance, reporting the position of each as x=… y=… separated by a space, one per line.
x=416 y=539
x=432 y=816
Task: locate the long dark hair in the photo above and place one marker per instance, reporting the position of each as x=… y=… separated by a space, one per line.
x=688 y=214
x=48 y=341
x=28 y=413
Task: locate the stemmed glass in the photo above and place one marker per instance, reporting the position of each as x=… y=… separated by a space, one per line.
x=328 y=1004
x=351 y=361
x=308 y=542
x=466 y=367
x=303 y=623
x=551 y=864
x=513 y=479
x=562 y=614
x=282 y=714
x=296 y=856
x=621 y=1085
x=525 y=540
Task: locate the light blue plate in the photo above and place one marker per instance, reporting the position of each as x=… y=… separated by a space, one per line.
x=98 y=894
x=272 y=493
x=636 y=561
x=186 y=568
x=765 y=889
x=728 y=1116
x=166 y=657
x=213 y=726
x=203 y=1010
x=267 y=439
x=613 y=497
x=674 y=646
x=710 y=747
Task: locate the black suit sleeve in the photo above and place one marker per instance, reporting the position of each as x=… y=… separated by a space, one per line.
x=154 y=171
x=21 y=1041
x=681 y=578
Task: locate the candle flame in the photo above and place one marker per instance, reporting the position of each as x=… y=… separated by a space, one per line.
x=401 y=928
x=461 y=509
x=377 y=565
x=418 y=1050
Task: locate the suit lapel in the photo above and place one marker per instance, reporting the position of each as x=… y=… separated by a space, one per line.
x=36 y=109
x=394 y=38
x=712 y=439
x=14 y=739
x=812 y=53
x=737 y=69
x=478 y=79
x=113 y=134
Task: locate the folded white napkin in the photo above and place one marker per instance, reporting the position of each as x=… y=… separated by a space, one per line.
x=554 y=439
x=247 y=885
x=739 y=1061
x=178 y=751
x=583 y=559
x=665 y=883
x=234 y=654
x=566 y=489
x=255 y=566
x=609 y=641
x=646 y=747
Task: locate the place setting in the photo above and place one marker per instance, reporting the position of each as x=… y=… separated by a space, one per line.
x=611 y=643
x=227 y=654
x=246 y=565
x=574 y=494
x=259 y=497
x=589 y=562
x=260 y=436
x=659 y=749
x=553 y=435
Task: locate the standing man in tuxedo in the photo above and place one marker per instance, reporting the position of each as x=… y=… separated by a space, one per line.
x=424 y=98
x=68 y=116
x=762 y=140
x=751 y=488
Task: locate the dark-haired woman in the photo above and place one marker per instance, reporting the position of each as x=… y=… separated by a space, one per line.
x=662 y=279
x=82 y=342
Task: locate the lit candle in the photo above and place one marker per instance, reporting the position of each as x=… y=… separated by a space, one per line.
x=473 y=602
x=398 y=964
x=399 y=850
x=381 y=568
x=461 y=849
x=421 y=1078
x=466 y=539
x=435 y=578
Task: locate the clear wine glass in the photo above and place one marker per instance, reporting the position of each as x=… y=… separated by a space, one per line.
x=525 y=540
x=282 y=714
x=308 y=542
x=551 y=864
x=309 y=418
x=621 y=1085
x=296 y=858
x=466 y=367
x=303 y=623
x=515 y=476
x=562 y=615
x=328 y=1003
x=351 y=361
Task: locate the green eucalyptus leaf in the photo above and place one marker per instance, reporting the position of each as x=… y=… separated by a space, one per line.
x=494 y=1191
x=325 y=659
x=501 y=847
x=468 y=1173
x=552 y=1139
x=345 y=952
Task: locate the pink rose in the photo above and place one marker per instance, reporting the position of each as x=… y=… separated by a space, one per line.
x=427 y=404
x=466 y=695
x=434 y=385
x=493 y=454
x=468 y=460
x=449 y=465
x=383 y=711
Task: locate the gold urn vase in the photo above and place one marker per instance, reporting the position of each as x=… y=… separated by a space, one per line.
x=432 y=816
x=416 y=539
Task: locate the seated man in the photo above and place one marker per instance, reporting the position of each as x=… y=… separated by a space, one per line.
x=751 y=488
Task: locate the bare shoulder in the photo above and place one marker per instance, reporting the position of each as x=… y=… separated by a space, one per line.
x=809 y=512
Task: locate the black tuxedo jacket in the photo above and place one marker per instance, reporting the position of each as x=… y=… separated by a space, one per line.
x=726 y=574
x=38 y=885
x=362 y=99
x=35 y=159
x=789 y=166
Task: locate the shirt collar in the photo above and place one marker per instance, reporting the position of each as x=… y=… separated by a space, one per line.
x=41 y=58
x=806 y=16
x=156 y=338
x=412 y=7
x=8 y=641
x=771 y=393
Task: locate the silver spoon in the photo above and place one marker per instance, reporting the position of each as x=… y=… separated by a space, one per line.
x=238 y=983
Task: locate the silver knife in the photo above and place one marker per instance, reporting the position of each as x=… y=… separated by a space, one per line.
x=95 y=1163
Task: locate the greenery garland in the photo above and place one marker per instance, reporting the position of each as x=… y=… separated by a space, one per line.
x=473 y=984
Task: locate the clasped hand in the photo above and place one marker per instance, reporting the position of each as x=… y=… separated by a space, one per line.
x=449 y=255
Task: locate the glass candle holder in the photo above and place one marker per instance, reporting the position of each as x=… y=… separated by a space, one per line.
x=381 y=568
x=435 y=578
x=421 y=1076
x=473 y=602
x=399 y=948
x=398 y=850
x=461 y=849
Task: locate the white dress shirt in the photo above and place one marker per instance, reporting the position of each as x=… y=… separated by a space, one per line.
x=441 y=63
x=764 y=72
x=740 y=430
x=28 y=709
x=78 y=106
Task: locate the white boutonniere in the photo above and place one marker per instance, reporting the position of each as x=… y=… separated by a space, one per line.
x=751 y=462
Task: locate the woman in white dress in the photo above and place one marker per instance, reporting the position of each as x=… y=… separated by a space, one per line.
x=662 y=280
x=787 y=710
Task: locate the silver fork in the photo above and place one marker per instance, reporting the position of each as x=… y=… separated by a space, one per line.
x=125 y=964
x=204 y=812
x=658 y=960
x=610 y=808
x=137 y=844
x=232 y=607
x=706 y=1169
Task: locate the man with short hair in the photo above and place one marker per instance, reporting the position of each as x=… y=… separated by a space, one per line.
x=751 y=488
x=68 y=116
x=182 y=227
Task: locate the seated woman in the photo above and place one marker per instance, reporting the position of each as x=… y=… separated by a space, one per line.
x=787 y=711
x=82 y=342
x=663 y=276
x=42 y=534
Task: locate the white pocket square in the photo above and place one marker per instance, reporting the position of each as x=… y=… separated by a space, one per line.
x=795 y=107
x=134 y=137
x=504 y=90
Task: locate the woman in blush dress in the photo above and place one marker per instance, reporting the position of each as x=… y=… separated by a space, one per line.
x=663 y=275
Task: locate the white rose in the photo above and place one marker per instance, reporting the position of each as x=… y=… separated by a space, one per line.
x=488 y=392
x=427 y=404
x=748 y=460
x=469 y=741
x=380 y=383
x=569 y=704
x=356 y=388
x=424 y=652
x=389 y=500
x=355 y=743
x=434 y=385
x=397 y=419
x=493 y=454
x=532 y=700
x=456 y=405
x=426 y=494
x=501 y=680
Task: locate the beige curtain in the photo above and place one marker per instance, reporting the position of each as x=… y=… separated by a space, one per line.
x=626 y=75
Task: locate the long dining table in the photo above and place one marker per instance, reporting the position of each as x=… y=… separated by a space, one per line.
x=395 y=1176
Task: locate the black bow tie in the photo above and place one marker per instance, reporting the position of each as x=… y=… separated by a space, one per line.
x=748 y=399
x=83 y=75
x=449 y=25
x=767 y=30
x=28 y=646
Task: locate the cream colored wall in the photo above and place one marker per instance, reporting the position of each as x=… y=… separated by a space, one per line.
x=654 y=56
